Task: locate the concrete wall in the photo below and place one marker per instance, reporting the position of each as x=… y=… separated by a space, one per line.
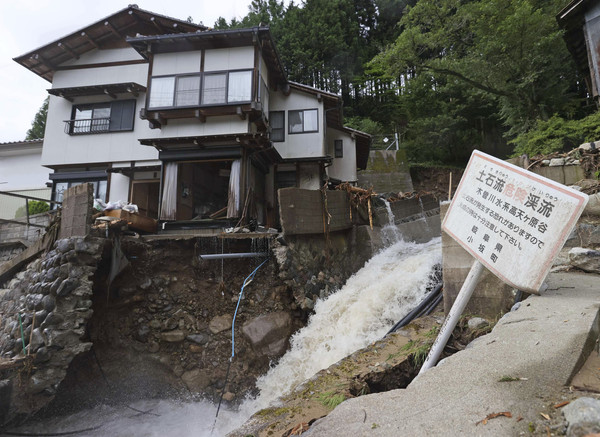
x=565 y=174
x=301 y=211
x=387 y=172
x=21 y=232
x=491 y=298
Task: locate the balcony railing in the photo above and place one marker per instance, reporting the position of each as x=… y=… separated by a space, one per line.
x=87 y=126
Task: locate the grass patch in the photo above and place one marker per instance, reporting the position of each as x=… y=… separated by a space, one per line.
x=331 y=399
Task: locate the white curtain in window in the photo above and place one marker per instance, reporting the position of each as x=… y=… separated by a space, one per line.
x=311 y=122
x=168 y=208
x=233 y=202
x=161 y=91
x=240 y=86
x=214 y=89
x=188 y=91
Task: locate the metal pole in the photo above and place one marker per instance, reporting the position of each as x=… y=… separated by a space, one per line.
x=452 y=319
x=234 y=255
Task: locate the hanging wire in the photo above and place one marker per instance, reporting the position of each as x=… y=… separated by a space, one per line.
x=247 y=281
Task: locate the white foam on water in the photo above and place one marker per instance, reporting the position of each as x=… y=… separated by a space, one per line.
x=390 y=233
x=389 y=285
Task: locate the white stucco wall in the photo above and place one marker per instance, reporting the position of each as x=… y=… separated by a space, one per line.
x=343 y=168
x=300 y=145
x=119 y=187
x=22 y=169
x=61 y=148
x=137 y=73
x=234 y=58
x=176 y=63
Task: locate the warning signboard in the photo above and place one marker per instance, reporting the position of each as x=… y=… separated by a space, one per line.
x=511 y=220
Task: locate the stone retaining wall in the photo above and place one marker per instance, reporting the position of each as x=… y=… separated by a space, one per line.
x=53 y=298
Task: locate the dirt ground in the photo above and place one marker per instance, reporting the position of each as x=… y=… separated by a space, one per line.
x=435 y=180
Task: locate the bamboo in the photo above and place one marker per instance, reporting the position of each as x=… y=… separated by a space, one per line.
x=450 y=188
x=370 y=214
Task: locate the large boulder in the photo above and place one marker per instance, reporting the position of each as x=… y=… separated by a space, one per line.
x=268 y=334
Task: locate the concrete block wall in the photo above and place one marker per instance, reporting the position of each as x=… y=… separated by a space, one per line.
x=387 y=172
x=491 y=298
x=565 y=174
x=10 y=232
x=301 y=211
x=77 y=210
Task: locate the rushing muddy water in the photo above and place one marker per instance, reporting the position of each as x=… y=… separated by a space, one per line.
x=373 y=299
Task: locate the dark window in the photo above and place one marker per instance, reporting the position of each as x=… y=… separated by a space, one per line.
x=277 y=123
x=61 y=186
x=338 y=146
x=101 y=117
x=285 y=179
x=303 y=121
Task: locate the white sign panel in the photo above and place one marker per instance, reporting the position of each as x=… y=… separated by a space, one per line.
x=511 y=220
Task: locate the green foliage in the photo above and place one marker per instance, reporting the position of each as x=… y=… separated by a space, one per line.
x=557 y=134
x=35 y=207
x=473 y=71
x=38 y=125
x=330 y=399
x=449 y=75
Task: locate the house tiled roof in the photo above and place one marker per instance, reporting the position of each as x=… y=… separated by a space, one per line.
x=109 y=32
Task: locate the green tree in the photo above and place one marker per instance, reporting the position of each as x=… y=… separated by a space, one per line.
x=38 y=125
x=511 y=52
x=35 y=207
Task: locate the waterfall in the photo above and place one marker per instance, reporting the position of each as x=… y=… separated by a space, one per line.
x=389 y=232
x=373 y=299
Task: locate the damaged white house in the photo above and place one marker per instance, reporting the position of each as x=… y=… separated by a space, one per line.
x=185 y=122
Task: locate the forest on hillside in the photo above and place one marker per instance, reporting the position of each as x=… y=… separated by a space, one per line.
x=447 y=75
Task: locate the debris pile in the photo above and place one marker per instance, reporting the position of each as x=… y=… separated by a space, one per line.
x=586 y=156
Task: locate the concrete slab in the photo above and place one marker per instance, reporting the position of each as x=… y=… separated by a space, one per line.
x=545 y=341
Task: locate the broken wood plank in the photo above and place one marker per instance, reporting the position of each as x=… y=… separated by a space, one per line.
x=218 y=213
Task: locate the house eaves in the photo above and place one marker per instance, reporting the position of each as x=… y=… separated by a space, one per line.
x=572 y=20
x=332 y=103
x=25 y=147
x=216 y=39
x=109 y=32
